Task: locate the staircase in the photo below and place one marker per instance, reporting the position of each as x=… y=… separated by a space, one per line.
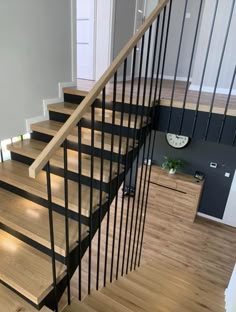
x=156 y=287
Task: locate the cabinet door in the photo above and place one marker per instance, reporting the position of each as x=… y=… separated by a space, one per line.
x=163 y=199
x=185 y=206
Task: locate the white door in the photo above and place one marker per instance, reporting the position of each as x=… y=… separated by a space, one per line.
x=230 y=209
x=85 y=39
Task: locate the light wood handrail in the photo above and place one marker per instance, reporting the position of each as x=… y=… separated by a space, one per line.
x=68 y=126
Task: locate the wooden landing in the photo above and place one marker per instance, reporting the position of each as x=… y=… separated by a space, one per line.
x=31 y=220
x=25 y=269
x=16 y=174
x=155 y=287
x=50 y=127
x=32 y=148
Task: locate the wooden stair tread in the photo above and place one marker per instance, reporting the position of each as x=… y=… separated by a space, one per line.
x=25 y=269
x=10 y=302
x=16 y=174
x=51 y=127
x=32 y=148
x=102 y=303
x=77 y=306
x=31 y=220
x=109 y=97
x=69 y=108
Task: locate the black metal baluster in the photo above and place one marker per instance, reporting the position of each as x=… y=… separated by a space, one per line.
x=127 y=158
x=80 y=211
x=165 y=45
x=101 y=186
x=1 y=153
x=177 y=64
x=91 y=197
x=137 y=156
x=66 y=195
x=227 y=106
x=204 y=68
x=120 y=145
x=117 y=186
x=191 y=64
x=51 y=229
x=219 y=69
x=144 y=146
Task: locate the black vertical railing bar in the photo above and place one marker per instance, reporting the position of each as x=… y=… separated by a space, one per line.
x=151 y=143
x=120 y=145
x=101 y=188
x=152 y=140
x=67 y=238
x=79 y=216
x=227 y=106
x=137 y=156
x=1 y=153
x=51 y=230
x=234 y=139
x=165 y=46
x=141 y=125
x=127 y=158
x=177 y=64
x=219 y=68
x=91 y=197
x=116 y=207
x=143 y=177
x=191 y=64
x=204 y=68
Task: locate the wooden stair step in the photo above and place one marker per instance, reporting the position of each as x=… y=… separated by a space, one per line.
x=109 y=97
x=32 y=148
x=31 y=220
x=16 y=174
x=51 y=127
x=26 y=270
x=101 y=303
x=68 y=108
x=10 y=302
x=77 y=306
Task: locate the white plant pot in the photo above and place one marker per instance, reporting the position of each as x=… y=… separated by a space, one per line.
x=172 y=171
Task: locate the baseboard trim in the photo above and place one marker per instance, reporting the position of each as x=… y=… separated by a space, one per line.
x=211 y=89
x=203 y=215
x=46 y=102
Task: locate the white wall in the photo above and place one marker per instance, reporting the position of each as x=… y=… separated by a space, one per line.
x=230 y=209
x=230 y=297
x=216 y=47
x=35 y=54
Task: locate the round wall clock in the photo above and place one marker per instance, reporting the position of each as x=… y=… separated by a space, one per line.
x=177 y=141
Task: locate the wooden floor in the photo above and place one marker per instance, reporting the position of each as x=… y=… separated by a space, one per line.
x=220 y=100
x=203 y=249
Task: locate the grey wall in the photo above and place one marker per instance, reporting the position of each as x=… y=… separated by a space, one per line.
x=197 y=156
x=35 y=54
x=216 y=46
x=174 y=37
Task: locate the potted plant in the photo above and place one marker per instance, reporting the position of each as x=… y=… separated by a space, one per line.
x=172 y=164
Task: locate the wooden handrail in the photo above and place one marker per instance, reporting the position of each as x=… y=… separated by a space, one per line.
x=68 y=126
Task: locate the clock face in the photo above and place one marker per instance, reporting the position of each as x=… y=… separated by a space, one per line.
x=177 y=141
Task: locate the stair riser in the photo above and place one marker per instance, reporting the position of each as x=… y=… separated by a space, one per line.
x=117 y=129
x=32 y=243
x=85 y=180
x=127 y=108
x=96 y=152
x=43 y=202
